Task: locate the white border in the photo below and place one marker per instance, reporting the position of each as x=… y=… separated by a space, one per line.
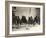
x=21 y=5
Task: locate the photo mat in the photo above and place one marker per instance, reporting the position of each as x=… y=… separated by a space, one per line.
x=25 y=19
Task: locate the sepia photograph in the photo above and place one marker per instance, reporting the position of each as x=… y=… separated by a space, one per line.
x=24 y=18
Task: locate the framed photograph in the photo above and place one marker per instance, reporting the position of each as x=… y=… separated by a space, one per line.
x=25 y=19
